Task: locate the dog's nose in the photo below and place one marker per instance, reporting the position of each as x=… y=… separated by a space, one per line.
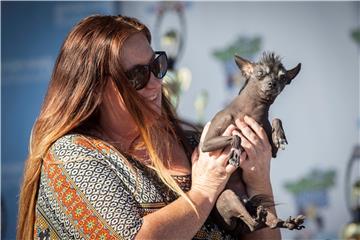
x=271 y=84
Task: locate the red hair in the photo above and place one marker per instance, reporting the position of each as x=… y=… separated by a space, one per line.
x=90 y=53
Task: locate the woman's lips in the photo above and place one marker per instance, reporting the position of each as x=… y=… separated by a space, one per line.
x=153 y=97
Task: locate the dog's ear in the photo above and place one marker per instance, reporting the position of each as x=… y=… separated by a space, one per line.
x=246 y=67
x=291 y=74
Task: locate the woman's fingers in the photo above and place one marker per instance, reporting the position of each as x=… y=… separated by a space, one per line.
x=224 y=153
x=243 y=158
x=248 y=132
x=228 y=131
x=195 y=155
x=224 y=156
x=259 y=130
x=248 y=146
x=230 y=169
x=203 y=134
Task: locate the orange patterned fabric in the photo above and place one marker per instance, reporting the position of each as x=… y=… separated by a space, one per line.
x=75 y=205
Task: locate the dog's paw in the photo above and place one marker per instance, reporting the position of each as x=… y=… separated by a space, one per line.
x=261 y=214
x=234 y=157
x=278 y=134
x=291 y=223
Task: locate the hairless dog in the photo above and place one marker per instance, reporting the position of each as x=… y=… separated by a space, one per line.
x=264 y=81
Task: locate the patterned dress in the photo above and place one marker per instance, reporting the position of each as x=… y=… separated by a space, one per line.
x=88 y=190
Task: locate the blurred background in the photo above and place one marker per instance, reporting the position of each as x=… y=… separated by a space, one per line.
x=318 y=174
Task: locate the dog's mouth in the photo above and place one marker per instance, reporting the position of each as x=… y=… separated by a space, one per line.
x=269 y=90
x=270 y=93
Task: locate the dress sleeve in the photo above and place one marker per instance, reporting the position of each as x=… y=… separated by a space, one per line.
x=96 y=200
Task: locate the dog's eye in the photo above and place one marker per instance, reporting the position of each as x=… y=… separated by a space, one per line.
x=259 y=74
x=283 y=77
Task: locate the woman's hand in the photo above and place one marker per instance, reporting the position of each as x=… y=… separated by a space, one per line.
x=256 y=167
x=210 y=170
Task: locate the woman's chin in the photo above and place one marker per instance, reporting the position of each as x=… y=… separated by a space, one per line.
x=155 y=114
x=157 y=110
x=156 y=105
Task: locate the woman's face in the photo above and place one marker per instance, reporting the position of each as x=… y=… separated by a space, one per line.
x=137 y=51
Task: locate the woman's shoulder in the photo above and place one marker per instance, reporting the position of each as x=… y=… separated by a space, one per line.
x=79 y=146
x=79 y=151
x=77 y=139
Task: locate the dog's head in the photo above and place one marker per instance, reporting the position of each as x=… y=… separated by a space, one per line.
x=268 y=77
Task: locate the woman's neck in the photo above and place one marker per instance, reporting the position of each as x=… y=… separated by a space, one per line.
x=116 y=125
x=118 y=129
x=122 y=140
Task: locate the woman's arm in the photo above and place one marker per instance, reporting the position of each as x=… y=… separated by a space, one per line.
x=265 y=233
x=256 y=169
x=178 y=220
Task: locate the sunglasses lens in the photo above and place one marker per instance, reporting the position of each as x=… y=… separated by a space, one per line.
x=159 y=66
x=139 y=77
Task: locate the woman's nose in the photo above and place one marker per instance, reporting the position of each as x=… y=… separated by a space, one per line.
x=154 y=81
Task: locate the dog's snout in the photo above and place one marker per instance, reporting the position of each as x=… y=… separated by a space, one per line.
x=271 y=84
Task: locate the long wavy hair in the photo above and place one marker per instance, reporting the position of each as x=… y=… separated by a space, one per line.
x=90 y=53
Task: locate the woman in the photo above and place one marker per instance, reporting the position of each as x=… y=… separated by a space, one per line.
x=108 y=158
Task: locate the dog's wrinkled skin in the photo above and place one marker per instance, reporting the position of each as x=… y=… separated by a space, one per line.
x=264 y=81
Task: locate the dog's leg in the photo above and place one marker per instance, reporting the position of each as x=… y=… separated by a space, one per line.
x=230 y=207
x=235 y=212
x=278 y=136
x=214 y=139
x=266 y=218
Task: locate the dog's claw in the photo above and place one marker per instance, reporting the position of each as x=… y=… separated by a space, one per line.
x=292 y=223
x=280 y=143
x=235 y=152
x=234 y=158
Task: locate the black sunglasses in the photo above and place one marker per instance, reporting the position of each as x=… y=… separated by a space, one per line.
x=139 y=75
